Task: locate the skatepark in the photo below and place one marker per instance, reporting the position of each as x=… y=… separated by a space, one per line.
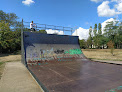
x=57 y=64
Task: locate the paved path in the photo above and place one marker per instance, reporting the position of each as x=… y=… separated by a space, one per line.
x=16 y=78
x=106 y=61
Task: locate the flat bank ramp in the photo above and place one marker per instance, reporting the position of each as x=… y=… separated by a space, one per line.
x=59 y=65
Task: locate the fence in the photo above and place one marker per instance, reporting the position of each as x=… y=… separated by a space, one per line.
x=50 y=29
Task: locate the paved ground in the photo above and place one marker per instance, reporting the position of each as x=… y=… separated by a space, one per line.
x=16 y=78
x=106 y=61
x=78 y=76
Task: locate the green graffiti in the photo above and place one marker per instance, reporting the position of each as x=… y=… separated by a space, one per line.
x=73 y=51
x=115 y=89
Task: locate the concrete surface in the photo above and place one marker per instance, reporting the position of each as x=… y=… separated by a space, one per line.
x=108 y=61
x=16 y=78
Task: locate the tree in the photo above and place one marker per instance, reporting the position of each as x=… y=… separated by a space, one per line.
x=42 y=31
x=99 y=29
x=90 y=36
x=103 y=41
x=113 y=31
x=89 y=43
x=10 y=18
x=10 y=34
x=95 y=30
x=99 y=36
x=82 y=44
x=119 y=36
x=95 y=36
x=111 y=46
x=4 y=35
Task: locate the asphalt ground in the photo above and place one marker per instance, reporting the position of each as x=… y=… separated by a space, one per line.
x=78 y=75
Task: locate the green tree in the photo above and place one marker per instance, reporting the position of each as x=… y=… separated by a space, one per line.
x=99 y=29
x=111 y=46
x=4 y=35
x=10 y=32
x=10 y=18
x=95 y=30
x=113 y=32
x=90 y=36
x=82 y=44
x=119 y=36
x=42 y=31
x=99 y=35
x=103 y=41
x=95 y=40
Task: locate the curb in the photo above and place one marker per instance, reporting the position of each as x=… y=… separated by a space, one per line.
x=107 y=62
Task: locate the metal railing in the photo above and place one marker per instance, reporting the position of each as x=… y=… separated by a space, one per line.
x=49 y=28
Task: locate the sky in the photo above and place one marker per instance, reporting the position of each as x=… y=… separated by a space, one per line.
x=79 y=14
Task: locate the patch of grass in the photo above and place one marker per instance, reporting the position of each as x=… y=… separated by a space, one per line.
x=10 y=58
x=2 y=65
x=103 y=54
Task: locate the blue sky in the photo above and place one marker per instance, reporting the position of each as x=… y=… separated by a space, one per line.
x=71 y=13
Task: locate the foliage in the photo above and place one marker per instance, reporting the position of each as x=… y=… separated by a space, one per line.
x=42 y=31
x=99 y=29
x=111 y=46
x=10 y=34
x=90 y=37
x=95 y=40
x=112 y=31
x=82 y=44
x=10 y=18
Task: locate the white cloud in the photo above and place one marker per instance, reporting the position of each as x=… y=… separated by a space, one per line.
x=82 y=33
x=105 y=11
x=28 y=2
x=96 y=1
x=50 y=31
x=105 y=23
x=119 y=7
x=118 y=1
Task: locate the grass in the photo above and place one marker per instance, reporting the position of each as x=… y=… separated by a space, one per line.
x=103 y=54
x=9 y=58
x=2 y=65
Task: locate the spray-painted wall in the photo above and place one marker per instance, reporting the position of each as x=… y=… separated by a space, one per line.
x=44 y=48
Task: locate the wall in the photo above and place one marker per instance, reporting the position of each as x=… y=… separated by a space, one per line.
x=46 y=48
